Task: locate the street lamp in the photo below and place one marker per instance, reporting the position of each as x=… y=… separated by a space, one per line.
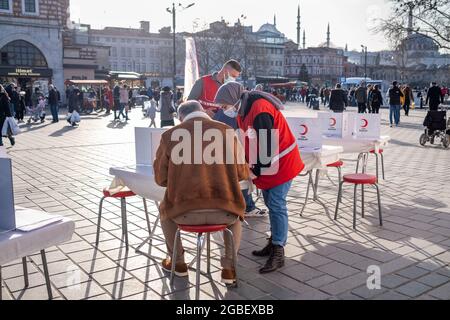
x=173 y=11
x=365 y=62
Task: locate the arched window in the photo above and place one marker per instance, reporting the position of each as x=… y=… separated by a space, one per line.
x=22 y=54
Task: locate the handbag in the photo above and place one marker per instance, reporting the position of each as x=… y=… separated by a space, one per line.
x=13 y=127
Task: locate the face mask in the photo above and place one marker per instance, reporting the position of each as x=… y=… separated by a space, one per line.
x=233 y=112
x=229 y=78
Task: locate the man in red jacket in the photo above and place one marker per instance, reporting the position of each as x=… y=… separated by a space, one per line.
x=274 y=157
x=205 y=89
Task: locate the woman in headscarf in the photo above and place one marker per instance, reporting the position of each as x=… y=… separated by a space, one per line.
x=273 y=155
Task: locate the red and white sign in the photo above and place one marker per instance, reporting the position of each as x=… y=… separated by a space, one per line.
x=367 y=126
x=335 y=125
x=307 y=131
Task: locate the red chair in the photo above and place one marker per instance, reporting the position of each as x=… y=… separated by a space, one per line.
x=380 y=152
x=359 y=180
x=338 y=165
x=363 y=158
x=122 y=195
x=200 y=230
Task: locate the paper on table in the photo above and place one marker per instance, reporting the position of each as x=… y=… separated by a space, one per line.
x=29 y=220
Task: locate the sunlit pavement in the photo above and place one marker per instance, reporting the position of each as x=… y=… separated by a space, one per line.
x=63 y=170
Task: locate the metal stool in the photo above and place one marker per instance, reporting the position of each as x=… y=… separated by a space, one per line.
x=201 y=230
x=380 y=152
x=338 y=165
x=123 y=207
x=362 y=180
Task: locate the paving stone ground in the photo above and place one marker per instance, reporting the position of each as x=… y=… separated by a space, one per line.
x=62 y=170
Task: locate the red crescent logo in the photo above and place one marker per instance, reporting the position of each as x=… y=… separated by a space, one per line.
x=305 y=132
x=365 y=123
x=332 y=122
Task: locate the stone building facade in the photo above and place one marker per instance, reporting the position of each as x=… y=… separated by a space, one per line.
x=31 y=41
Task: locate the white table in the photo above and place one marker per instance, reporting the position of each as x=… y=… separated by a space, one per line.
x=351 y=145
x=17 y=245
x=318 y=159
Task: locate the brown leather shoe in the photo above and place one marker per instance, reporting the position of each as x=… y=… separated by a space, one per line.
x=181 y=269
x=229 y=277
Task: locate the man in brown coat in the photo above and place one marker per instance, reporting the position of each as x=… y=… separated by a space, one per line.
x=202 y=176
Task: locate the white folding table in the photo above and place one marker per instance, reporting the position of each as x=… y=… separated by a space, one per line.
x=19 y=245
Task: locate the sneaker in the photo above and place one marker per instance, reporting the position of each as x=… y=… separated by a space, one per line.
x=228 y=277
x=256 y=213
x=181 y=269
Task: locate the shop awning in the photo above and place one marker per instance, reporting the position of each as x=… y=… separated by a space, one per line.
x=87 y=82
x=125 y=75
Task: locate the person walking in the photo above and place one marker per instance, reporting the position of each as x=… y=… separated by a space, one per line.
x=409 y=99
x=14 y=100
x=53 y=102
x=434 y=97
x=21 y=108
x=376 y=100
x=258 y=115
x=338 y=99
x=361 y=98
x=124 y=101
x=167 y=109
x=151 y=113
x=395 y=95
x=5 y=112
x=116 y=106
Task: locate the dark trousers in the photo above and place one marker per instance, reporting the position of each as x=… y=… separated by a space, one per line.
x=54 y=110
x=406 y=107
x=362 y=107
x=167 y=123
x=375 y=109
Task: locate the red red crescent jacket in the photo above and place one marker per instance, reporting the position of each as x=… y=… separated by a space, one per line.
x=287 y=164
x=210 y=88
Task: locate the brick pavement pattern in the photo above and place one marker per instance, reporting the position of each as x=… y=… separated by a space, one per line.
x=63 y=170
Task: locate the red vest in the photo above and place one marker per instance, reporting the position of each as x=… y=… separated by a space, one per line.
x=287 y=164
x=210 y=88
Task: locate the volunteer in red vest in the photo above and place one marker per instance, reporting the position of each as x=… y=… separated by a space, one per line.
x=274 y=157
x=205 y=89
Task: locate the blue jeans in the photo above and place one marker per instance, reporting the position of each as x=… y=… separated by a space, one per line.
x=249 y=203
x=54 y=110
x=122 y=108
x=394 y=114
x=275 y=200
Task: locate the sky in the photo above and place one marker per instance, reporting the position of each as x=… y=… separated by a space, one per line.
x=350 y=20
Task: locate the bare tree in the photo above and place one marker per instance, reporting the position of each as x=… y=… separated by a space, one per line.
x=432 y=19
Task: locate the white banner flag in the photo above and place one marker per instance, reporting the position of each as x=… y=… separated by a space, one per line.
x=191 y=72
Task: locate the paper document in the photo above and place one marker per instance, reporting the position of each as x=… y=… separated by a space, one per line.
x=28 y=220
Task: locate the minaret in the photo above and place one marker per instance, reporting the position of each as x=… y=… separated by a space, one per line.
x=410 y=21
x=346 y=47
x=328 y=36
x=304 y=39
x=298 y=27
x=274 y=20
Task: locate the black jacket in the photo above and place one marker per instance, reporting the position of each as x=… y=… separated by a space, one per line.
x=53 y=97
x=394 y=96
x=338 y=100
x=376 y=99
x=434 y=97
x=5 y=111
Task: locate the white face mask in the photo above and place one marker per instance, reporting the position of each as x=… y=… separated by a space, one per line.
x=229 y=78
x=233 y=112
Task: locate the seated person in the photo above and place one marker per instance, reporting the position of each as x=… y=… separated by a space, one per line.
x=199 y=193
